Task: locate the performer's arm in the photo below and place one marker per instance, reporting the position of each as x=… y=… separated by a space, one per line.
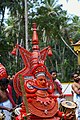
x=67 y=116
x=5 y=108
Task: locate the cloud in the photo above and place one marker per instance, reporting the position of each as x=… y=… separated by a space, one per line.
x=72 y=6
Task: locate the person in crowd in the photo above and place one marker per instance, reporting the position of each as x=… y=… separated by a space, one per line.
x=76 y=93
x=76 y=84
x=57 y=86
x=7 y=103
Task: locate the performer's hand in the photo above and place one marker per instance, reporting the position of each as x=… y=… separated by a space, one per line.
x=17 y=111
x=70 y=115
x=61 y=95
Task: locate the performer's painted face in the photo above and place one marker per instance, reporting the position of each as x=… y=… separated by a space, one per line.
x=41 y=81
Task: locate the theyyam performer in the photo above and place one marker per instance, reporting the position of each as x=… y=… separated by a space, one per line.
x=34 y=84
x=7 y=103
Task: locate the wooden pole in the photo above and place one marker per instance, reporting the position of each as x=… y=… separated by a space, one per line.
x=24 y=96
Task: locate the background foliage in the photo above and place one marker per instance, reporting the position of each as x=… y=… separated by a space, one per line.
x=54 y=26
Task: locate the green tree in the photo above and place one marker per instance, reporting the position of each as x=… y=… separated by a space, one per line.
x=55 y=28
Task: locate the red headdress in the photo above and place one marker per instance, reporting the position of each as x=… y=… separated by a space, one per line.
x=37 y=91
x=33 y=61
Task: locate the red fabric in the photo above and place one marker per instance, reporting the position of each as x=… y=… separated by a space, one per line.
x=18 y=117
x=9 y=94
x=10 y=89
x=59 y=114
x=32 y=117
x=58 y=85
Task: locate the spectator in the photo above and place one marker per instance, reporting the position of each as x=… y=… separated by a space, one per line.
x=76 y=94
x=57 y=86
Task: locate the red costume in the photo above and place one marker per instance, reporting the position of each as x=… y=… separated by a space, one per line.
x=41 y=104
x=3 y=74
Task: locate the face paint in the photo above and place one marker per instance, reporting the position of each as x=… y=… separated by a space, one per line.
x=41 y=81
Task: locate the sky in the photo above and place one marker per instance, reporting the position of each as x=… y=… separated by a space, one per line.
x=6 y=14
x=72 y=6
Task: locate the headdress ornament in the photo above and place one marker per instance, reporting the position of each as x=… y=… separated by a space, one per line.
x=38 y=70
x=40 y=74
x=3 y=73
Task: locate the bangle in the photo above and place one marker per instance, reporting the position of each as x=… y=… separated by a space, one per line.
x=63 y=116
